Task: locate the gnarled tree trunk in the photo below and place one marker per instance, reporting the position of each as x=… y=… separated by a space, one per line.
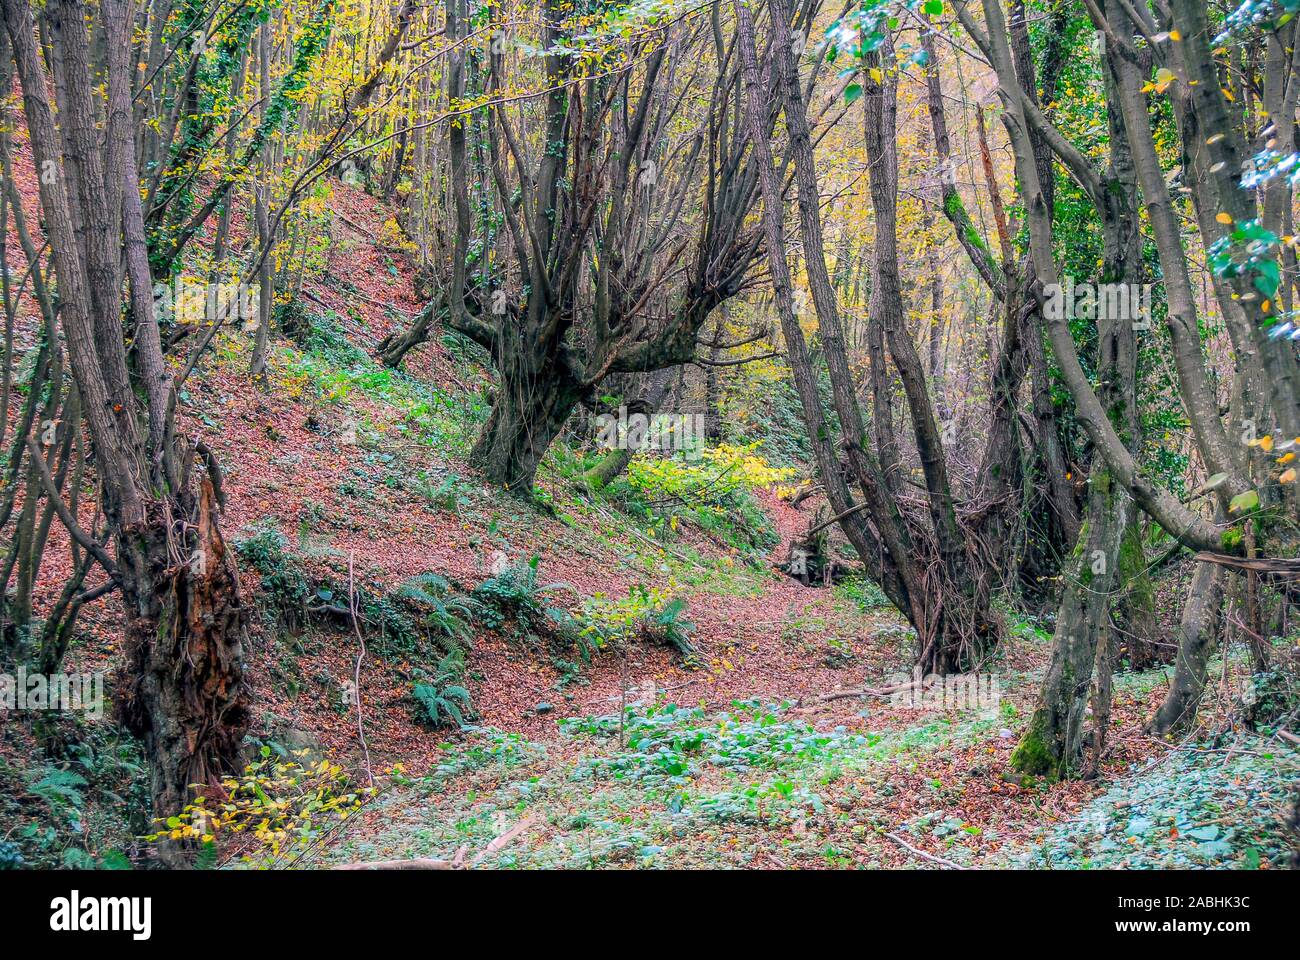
x=185 y=689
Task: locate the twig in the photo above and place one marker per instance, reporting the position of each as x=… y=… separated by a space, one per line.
x=356 y=679
x=923 y=855
x=457 y=862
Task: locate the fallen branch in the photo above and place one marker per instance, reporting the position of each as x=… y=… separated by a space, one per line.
x=501 y=842
x=423 y=863
x=356 y=680
x=923 y=855
x=879 y=692
x=1280 y=568
x=455 y=863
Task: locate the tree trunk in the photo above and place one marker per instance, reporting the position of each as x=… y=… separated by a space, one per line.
x=186 y=696
x=1102 y=698
x=897 y=579
x=1199 y=632
x=1052 y=742
x=713 y=380
x=265 y=237
x=392 y=350
x=185 y=691
x=647 y=401
x=529 y=412
x=967 y=632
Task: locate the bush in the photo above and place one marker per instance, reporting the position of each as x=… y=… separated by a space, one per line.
x=514 y=597
x=863 y=592
x=275 y=807
x=448 y=615
x=321 y=334
x=1275 y=693
x=285 y=587
x=11 y=857
x=715 y=494
x=645 y=614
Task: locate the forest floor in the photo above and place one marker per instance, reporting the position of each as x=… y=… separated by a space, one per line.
x=736 y=755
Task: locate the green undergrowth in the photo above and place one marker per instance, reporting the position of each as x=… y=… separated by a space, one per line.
x=427 y=623
x=667 y=497
x=78 y=800
x=1200 y=805
x=321 y=366
x=659 y=787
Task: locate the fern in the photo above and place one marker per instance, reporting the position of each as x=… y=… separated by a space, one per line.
x=514 y=594
x=672 y=627
x=449 y=615
x=441 y=698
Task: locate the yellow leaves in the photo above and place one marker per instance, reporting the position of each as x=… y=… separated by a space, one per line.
x=1289 y=474
x=1223 y=218
x=272 y=801
x=742 y=463
x=1164 y=77
x=876 y=75
x=1175 y=36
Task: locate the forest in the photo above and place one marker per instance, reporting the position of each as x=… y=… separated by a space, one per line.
x=667 y=434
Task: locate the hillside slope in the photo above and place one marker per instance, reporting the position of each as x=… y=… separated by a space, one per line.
x=346 y=486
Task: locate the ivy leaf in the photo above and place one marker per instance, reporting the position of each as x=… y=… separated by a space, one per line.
x=1267 y=278
x=1243 y=502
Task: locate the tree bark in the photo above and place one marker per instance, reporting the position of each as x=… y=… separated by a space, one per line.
x=185 y=692
x=1198 y=635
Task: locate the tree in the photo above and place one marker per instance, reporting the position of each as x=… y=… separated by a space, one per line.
x=620 y=193
x=186 y=694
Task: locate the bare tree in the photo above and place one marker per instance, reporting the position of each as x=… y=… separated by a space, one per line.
x=185 y=692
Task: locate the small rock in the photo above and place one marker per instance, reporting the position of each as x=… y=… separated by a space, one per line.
x=542 y=708
x=1005 y=734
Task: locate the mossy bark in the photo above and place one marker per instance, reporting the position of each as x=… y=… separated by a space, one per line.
x=1135 y=611
x=1052 y=743
x=1199 y=631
